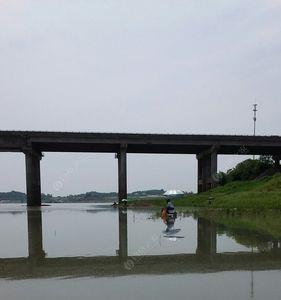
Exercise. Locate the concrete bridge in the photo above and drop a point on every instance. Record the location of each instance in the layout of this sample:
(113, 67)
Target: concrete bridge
(206, 147)
(206, 259)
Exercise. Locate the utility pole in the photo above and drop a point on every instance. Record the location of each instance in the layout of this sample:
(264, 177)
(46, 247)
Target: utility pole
(255, 120)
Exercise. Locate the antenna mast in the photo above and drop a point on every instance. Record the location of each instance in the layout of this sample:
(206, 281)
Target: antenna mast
(255, 120)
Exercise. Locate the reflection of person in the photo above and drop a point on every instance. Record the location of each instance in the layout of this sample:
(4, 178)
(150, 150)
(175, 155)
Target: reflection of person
(170, 222)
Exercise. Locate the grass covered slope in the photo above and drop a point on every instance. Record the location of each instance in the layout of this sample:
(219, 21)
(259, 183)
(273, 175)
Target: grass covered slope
(263, 193)
(252, 194)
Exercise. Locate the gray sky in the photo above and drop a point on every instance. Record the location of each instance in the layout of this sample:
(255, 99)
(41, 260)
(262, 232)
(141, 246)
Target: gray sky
(135, 66)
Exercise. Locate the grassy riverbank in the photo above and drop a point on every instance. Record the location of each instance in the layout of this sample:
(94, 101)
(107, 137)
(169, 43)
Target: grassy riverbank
(255, 194)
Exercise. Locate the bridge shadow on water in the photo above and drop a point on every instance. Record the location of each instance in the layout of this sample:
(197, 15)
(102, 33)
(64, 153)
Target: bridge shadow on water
(206, 258)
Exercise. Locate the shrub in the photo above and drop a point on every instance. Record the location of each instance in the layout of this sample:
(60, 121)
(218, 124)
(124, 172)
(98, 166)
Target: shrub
(247, 170)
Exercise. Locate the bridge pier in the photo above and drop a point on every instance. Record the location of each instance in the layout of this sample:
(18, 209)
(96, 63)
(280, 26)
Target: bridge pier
(206, 237)
(207, 169)
(35, 237)
(33, 182)
(123, 233)
(122, 172)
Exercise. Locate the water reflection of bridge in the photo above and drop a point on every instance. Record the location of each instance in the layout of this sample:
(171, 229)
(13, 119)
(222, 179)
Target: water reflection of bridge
(206, 259)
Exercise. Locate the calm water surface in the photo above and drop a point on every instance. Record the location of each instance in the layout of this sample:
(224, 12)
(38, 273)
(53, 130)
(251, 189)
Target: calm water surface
(92, 251)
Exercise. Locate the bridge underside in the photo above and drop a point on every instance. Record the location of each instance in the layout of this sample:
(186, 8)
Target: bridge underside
(205, 147)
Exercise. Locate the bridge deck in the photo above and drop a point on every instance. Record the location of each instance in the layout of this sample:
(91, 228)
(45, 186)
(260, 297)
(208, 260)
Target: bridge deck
(138, 143)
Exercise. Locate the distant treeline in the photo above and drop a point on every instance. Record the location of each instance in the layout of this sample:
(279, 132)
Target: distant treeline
(13, 197)
(18, 197)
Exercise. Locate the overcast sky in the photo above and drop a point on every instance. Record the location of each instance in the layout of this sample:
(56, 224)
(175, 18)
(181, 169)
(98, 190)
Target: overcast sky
(157, 66)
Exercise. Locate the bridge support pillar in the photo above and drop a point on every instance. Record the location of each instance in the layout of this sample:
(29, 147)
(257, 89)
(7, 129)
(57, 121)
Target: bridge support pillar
(33, 182)
(123, 233)
(206, 237)
(35, 237)
(122, 173)
(207, 169)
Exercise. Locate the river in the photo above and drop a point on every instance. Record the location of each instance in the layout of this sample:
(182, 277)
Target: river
(94, 251)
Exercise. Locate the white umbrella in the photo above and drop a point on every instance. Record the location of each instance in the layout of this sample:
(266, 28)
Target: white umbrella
(173, 193)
